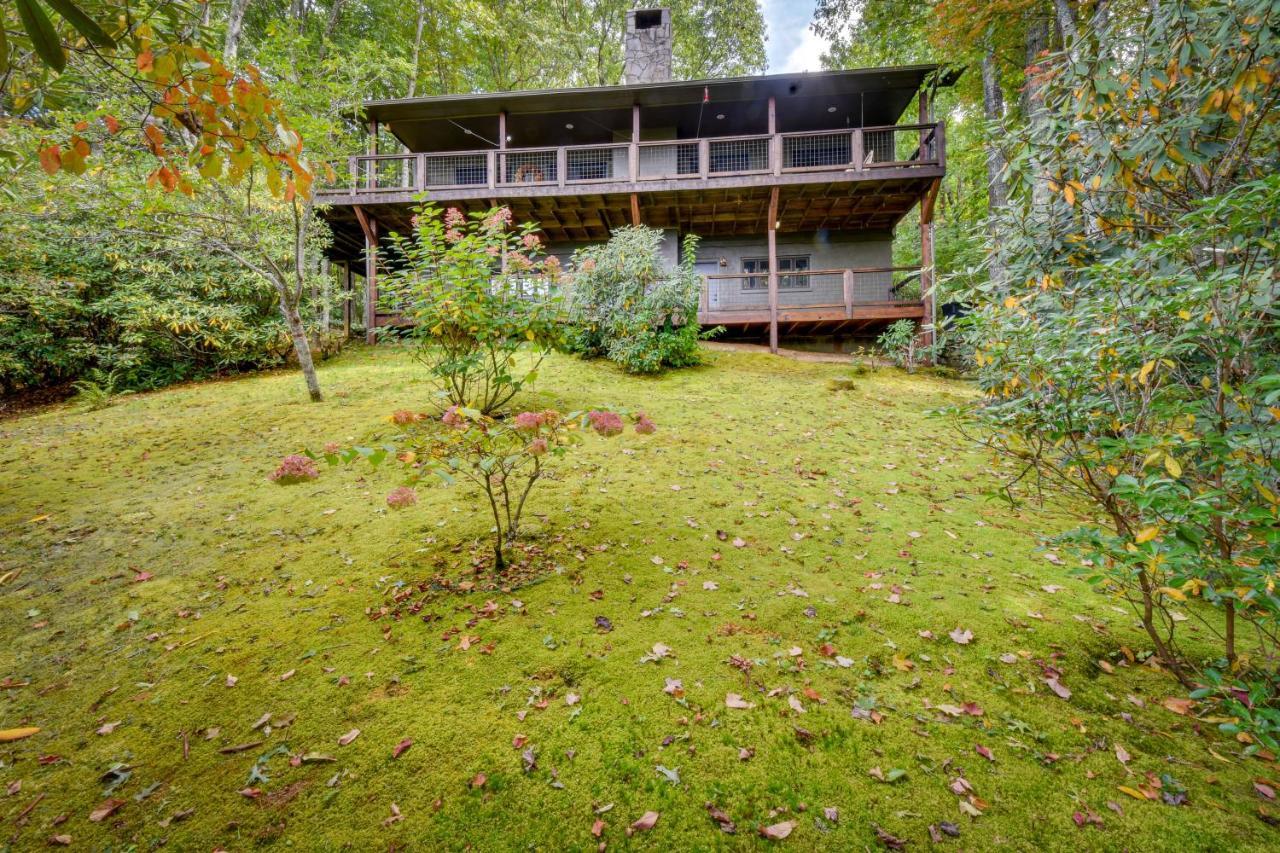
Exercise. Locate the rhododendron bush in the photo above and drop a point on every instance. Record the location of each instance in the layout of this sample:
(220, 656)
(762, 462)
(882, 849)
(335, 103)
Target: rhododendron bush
(504, 458)
(479, 296)
(626, 305)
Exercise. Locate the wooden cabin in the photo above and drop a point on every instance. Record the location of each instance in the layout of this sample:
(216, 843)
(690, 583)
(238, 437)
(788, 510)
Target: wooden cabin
(793, 182)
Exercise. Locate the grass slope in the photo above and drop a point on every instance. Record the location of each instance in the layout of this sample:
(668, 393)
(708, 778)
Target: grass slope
(840, 497)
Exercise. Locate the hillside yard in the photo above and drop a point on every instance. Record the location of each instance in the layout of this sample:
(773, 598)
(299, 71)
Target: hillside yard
(795, 606)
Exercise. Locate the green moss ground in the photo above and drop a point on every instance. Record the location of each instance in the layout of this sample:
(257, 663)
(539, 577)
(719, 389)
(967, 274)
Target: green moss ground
(828, 489)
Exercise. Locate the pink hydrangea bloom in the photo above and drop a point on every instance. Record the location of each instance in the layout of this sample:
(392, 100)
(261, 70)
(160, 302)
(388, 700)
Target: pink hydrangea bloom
(294, 468)
(518, 261)
(332, 447)
(588, 265)
(453, 235)
(531, 241)
(529, 421)
(452, 417)
(454, 218)
(538, 446)
(401, 497)
(413, 220)
(492, 251)
(644, 426)
(501, 216)
(606, 423)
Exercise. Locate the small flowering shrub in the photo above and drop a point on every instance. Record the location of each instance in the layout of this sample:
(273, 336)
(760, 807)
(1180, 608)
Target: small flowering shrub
(294, 468)
(477, 293)
(504, 458)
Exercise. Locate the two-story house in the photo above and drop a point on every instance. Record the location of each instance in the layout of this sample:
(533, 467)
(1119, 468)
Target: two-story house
(793, 182)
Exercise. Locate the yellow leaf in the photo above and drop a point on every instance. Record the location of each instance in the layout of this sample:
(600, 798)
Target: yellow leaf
(1069, 194)
(1171, 465)
(1146, 372)
(7, 735)
(1175, 594)
(1133, 792)
(1146, 535)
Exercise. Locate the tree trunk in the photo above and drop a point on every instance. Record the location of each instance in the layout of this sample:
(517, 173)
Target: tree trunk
(235, 24)
(1033, 106)
(997, 192)
(301, 346)
(417, 47)
(1067, 24)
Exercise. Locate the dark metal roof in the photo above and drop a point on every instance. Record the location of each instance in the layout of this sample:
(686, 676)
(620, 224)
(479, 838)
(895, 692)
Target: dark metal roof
(902, 80)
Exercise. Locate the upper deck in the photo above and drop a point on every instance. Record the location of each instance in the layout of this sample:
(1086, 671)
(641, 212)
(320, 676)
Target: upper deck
(771, 130)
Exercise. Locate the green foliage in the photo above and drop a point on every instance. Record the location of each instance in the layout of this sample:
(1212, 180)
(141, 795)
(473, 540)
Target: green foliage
(899, 343)
(98, 391)
(77, 295)
(1132, 358)
(624, 304)
(477, 295)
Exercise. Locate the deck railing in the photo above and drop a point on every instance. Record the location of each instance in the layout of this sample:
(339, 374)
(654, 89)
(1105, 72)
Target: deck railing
(817, 289)
(853, 149)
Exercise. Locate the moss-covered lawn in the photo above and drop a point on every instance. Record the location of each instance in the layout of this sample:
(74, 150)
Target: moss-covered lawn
(167, 598)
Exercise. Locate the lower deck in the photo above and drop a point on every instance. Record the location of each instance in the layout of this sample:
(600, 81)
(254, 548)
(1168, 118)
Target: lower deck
(787, 259)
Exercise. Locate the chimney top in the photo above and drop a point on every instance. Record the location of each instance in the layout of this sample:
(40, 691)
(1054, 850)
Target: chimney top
(647, 46)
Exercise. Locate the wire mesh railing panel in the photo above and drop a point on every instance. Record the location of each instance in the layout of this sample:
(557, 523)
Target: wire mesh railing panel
(737, 292)
(597, 163)
(888, 145)
(727, 156)
(811, 289)
(457, 170)
(874, 286)
(534, 166)
(669, 160)
(387, 172)
(817, 150)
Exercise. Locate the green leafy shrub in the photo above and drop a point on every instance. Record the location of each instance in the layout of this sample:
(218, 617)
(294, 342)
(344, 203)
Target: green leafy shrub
(625, 305)
(79, 294)
(899, 344)
(477, 294)
(1130, 355)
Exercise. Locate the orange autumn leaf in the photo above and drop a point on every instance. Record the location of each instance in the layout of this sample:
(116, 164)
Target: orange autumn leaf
(146, 61)
(51, 159)
(113, 126)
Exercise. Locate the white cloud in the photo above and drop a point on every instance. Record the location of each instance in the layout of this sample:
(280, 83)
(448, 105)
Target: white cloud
(806, 55)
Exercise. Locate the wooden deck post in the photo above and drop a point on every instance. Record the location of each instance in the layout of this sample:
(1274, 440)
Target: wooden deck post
(848, 293)
(369, 226)
(633, 150)
(635, 209)
(775, 141)
(773, 270)
(371, 179)
(926, 282)
(501, 176)
(346, 299)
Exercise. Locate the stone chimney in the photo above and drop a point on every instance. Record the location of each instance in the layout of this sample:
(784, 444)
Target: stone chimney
(647, 47)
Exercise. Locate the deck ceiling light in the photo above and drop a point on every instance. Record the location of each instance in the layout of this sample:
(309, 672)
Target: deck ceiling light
(831, 109)
(720, 116)
(568, 125)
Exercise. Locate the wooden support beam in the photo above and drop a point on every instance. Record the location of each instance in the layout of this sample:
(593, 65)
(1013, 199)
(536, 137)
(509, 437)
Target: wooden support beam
(773, 271)
(775, 140)
(635, 209)
(927, 279)
(369, 226)
(927, 203)
(346, 299)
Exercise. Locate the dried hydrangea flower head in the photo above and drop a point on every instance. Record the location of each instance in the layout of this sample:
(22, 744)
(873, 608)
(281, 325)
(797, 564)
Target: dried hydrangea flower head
(294, 468)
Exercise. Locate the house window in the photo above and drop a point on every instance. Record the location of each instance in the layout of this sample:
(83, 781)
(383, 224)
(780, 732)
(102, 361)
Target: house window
(758, 269)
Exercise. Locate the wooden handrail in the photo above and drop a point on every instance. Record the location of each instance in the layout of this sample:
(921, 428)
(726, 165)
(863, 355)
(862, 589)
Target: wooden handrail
(933, 139)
